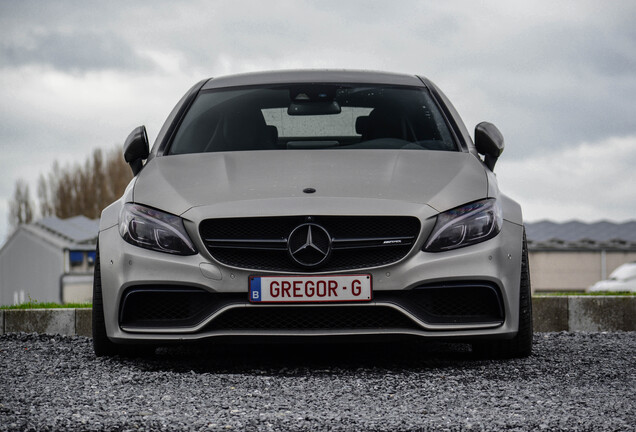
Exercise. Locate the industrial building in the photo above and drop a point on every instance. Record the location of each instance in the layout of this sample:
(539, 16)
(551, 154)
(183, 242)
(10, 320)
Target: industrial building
(571, 256)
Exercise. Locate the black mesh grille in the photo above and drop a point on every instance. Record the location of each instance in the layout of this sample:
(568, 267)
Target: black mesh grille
(170, 306)
(311, 318)
(260, 243)
(450, 304)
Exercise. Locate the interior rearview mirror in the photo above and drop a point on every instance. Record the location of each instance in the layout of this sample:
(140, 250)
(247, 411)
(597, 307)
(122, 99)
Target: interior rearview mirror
(305, 108)
(489, 142)
(136, 149)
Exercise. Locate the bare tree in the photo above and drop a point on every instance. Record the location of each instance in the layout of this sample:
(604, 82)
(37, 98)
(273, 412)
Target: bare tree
(20, 206)
(118, 174)
(44, 197)
(73, 190)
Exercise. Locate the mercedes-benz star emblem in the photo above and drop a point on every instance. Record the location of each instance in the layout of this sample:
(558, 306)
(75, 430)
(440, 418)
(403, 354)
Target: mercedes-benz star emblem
(309, 244)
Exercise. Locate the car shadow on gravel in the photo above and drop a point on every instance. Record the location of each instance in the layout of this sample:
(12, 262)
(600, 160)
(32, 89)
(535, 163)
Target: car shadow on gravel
(290, 359)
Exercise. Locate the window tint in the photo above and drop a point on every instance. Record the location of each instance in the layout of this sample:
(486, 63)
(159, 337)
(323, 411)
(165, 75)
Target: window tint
(312, 116)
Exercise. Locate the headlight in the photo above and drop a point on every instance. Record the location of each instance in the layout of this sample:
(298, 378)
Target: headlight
(152, 229)
(466, 225)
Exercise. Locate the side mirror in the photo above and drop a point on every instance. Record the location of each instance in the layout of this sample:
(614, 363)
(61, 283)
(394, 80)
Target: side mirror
(489, 142)
(136, 149)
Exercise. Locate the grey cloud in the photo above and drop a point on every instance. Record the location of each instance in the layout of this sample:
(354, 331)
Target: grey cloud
(73, 52)
(553, 85)
(544, 116)
(578, 49)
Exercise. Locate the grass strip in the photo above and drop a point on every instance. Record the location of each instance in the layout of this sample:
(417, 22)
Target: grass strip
(580, 293)
(47, 305)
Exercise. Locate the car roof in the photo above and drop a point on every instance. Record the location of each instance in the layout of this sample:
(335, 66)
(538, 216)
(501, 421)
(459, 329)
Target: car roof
(313, 75)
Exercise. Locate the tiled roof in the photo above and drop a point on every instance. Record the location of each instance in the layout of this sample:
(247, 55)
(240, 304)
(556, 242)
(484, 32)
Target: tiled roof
(78, 229)
(581, 235)
(76, 233)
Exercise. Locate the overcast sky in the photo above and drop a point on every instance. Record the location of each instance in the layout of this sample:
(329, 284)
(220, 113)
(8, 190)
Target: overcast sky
(557, 78)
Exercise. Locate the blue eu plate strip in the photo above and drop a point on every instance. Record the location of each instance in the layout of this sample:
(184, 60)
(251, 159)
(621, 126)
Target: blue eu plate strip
(255, 289)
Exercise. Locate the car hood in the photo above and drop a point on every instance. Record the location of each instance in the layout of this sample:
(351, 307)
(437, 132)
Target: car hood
(439, 179)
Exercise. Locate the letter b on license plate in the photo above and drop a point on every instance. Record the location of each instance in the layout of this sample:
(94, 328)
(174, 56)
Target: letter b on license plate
(300, 289)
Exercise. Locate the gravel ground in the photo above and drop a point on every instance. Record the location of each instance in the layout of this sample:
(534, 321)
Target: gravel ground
(574, 381)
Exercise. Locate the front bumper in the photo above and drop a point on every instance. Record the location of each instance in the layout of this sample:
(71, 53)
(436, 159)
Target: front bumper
(496, 262)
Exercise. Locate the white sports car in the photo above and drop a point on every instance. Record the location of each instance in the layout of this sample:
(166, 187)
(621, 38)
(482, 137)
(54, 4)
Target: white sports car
(623, 279)
(313, 204)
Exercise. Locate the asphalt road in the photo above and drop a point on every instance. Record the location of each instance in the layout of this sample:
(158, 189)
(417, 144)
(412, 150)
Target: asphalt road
(574, 381)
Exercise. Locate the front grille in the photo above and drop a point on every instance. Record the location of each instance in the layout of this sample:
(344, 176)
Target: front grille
(312, 318)
(261, 243)
(463, 303)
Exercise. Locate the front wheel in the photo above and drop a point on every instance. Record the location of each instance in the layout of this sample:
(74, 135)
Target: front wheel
(521, 344)
(103, 346)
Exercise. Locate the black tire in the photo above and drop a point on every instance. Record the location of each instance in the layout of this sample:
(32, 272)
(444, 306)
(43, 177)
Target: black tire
(521, 344)
(102, 345)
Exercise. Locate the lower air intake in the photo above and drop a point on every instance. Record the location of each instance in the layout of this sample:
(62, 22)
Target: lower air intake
(170, 306)
(465, 303)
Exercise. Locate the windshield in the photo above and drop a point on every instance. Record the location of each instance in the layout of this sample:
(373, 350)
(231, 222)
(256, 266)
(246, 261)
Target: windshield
(312, 116)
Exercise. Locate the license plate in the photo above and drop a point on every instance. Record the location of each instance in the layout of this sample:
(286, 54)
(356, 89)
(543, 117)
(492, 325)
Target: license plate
(301, 289)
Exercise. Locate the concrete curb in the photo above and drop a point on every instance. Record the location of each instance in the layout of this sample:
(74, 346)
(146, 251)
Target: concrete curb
(51, 321)
(551, 314)
(584, 313)
(601, 313)
(84, 322)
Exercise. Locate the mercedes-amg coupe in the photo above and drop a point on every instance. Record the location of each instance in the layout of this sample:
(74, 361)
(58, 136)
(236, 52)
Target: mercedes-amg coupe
(313, 205)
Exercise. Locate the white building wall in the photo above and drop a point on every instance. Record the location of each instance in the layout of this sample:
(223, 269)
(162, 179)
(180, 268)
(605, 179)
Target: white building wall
(30, 266)
(571, 270)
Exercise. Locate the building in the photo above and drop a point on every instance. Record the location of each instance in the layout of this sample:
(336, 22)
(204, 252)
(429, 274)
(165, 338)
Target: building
(50, 260)
(572, 256)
